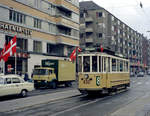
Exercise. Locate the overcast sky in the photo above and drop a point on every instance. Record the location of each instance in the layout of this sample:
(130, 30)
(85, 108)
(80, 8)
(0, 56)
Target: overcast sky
(130, 12)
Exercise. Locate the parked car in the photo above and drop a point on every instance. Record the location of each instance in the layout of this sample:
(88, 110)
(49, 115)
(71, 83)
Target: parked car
(14, 85)
(140, 74)
(148, 72)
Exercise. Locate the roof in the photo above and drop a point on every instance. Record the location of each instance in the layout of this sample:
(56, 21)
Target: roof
(89, 5)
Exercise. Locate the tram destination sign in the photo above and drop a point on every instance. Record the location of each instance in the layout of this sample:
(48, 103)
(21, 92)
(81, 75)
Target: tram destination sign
(15, 28)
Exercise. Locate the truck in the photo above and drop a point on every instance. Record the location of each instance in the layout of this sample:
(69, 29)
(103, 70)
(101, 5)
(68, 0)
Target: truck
(54, 72)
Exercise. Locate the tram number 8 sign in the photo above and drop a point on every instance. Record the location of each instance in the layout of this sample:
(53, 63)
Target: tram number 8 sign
(98, 80)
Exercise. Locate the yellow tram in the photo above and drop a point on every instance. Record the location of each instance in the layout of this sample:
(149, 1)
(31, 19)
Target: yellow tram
(102, 72)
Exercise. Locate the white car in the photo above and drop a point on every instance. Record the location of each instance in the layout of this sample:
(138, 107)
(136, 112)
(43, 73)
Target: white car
(14, 84)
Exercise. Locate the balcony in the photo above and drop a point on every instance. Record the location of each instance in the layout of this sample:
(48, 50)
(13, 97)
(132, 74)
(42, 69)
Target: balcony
(89, 40)
(88, 19)
(66, 5)
(89, 30)
(65, 22)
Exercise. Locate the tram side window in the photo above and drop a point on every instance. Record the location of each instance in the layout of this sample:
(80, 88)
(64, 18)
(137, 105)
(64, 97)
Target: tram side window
(104, 64)
(127, 66)
(80, 64)
(113, 65)
(100, 64)
(108, 64)
(118, 65)
(121, 66)
(86, 64)
(94, 63)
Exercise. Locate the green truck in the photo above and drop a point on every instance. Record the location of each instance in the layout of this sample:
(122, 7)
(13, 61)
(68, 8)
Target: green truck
(54, 72)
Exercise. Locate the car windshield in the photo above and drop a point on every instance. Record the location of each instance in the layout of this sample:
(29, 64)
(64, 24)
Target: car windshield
(1, 80)
(40, 72)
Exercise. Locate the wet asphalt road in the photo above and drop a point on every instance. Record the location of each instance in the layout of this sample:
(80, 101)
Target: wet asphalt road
(90, 106)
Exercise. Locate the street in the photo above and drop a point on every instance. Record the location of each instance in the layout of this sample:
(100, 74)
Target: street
(133, 102)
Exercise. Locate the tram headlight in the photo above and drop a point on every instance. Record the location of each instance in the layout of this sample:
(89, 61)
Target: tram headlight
(86, 76)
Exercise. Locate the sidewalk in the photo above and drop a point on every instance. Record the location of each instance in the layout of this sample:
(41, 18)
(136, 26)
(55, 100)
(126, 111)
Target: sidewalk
(35, 100)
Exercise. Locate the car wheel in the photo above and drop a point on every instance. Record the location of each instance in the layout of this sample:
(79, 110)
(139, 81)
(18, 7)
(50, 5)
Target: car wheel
(54, 85)
(24, 93)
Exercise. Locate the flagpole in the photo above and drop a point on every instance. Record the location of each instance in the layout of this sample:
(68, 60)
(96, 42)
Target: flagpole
(15, 62)
(3, 66)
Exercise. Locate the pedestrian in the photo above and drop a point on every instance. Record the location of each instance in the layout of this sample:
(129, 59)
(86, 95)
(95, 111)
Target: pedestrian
(26, 77)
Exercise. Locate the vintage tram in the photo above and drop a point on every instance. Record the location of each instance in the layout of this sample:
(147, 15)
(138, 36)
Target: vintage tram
(102, 72)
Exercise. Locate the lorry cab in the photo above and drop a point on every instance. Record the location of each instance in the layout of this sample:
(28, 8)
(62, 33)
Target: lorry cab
(44, 76)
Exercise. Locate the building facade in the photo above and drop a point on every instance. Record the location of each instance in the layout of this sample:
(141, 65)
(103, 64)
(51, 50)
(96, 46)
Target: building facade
(100, 27)
(44, 29)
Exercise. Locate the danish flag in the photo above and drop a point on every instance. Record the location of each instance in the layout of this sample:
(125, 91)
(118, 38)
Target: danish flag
(8, 49)
(73, 54)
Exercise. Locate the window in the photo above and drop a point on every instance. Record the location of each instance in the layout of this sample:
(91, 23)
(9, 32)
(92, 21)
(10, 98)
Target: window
(94, 63)
(37, 46)
(8, 81)
(55, 49)
(17, 17)
(52, 28)
(15, 80)
(118, 65)
(108, 65)
(127, 66)
(100, 35)
(113, 65)
(121, 66)
(99, 14)
(80, 64)
(100, 64)
(64, 30)
(104, 58)
(37, 23)
(22, 44)
(86, 63)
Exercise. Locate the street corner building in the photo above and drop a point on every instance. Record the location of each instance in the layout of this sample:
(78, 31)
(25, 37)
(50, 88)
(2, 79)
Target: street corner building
(44, 29)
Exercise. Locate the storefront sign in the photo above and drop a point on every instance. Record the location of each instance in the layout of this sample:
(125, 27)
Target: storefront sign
(14, 28)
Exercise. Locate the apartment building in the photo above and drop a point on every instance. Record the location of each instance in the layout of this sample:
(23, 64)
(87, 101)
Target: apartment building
(44, 29)
(100, 27)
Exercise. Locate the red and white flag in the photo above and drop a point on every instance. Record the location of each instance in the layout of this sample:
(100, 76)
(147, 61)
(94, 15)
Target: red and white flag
(10, 49)
(73, 54)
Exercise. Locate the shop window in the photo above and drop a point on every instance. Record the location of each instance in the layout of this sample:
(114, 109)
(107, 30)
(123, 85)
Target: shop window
(37, 23)
(37, 46)
(17, 17)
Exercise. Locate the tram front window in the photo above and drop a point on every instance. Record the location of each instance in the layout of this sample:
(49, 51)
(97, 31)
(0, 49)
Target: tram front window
(94, 63)
(86, 64)
(80, 64)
